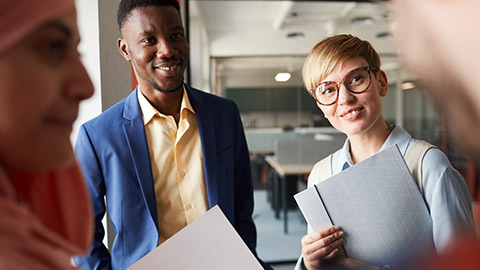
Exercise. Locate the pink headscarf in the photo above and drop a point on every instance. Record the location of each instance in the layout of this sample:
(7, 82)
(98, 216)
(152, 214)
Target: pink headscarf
(18, 18)
(46, 217)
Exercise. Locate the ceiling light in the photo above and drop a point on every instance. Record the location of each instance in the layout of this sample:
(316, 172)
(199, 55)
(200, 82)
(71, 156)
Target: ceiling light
(295, 35)
(383, 35)
(282, 76)
(362, 20)
(407, 85)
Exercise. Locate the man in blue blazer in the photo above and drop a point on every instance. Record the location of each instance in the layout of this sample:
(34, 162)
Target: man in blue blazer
(118, 160)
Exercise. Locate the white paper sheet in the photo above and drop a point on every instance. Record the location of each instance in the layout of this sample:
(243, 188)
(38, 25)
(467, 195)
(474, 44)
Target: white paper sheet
(210, 242)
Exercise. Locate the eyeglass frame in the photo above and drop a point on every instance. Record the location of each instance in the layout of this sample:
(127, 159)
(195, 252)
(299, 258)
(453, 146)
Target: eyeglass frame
(369, 69)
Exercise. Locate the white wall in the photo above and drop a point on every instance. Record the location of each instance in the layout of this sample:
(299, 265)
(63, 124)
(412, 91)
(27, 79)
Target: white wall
(116, 76)
(110, 73)
(199, 57)
(87, 17)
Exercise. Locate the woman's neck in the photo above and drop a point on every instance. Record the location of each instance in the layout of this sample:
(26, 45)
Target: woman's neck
(368, 143)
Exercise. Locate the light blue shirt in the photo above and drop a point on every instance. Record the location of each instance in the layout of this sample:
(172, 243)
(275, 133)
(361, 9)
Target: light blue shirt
(444, 189)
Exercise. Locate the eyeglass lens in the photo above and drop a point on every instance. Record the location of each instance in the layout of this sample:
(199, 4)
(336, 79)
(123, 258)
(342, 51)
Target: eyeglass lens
(356, 81)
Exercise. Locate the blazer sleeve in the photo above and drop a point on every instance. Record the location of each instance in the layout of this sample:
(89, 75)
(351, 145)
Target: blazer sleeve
(244, 224)
(98, 257)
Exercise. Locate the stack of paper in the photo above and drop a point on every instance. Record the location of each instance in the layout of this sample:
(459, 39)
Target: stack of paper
(378, 206)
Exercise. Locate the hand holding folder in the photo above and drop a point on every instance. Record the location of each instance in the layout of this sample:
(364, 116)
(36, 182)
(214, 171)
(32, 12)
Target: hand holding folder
(378, 206)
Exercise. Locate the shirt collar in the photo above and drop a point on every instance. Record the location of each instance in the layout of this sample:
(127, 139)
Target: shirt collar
(344, 155)
(186, 105)
(148, 111)
(398, 136)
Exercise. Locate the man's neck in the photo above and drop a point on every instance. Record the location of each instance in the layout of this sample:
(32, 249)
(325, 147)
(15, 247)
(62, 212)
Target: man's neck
(165, 103)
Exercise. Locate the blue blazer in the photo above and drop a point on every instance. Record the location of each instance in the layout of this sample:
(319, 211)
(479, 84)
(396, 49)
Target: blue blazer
(113, 153)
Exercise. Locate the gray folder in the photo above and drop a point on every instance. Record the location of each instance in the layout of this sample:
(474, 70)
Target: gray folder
(379, 207)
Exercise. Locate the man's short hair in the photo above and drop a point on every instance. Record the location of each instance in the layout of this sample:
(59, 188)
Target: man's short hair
(126, 6)
(333, 51)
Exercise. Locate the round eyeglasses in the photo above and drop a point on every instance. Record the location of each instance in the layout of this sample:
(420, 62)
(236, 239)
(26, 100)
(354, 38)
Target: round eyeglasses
(356, 81)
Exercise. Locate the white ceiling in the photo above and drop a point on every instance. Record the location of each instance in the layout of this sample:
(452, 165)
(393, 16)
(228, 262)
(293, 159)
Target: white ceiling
(249, 38)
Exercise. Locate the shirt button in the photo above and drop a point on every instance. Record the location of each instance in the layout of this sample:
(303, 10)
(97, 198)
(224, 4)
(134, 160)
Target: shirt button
(188, 206)
(182, 175)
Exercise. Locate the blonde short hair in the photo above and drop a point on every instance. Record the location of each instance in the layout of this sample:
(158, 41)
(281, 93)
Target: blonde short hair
(333, 51)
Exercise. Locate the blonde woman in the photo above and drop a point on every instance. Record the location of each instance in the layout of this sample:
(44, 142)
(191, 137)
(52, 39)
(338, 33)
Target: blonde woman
(344, 76)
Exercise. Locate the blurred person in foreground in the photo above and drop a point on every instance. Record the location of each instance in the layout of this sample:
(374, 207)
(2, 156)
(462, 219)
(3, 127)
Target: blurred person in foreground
(45, 211)
(345, 78)
(438, 43)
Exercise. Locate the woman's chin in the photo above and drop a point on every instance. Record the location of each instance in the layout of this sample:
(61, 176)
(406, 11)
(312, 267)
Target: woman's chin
(46, 160)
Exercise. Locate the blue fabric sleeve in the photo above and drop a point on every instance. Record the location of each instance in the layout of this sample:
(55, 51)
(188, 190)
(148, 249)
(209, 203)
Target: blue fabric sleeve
(447, 198)
(99, 257)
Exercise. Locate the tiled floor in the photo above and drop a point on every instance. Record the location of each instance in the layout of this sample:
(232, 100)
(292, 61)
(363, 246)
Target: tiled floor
(273, 245)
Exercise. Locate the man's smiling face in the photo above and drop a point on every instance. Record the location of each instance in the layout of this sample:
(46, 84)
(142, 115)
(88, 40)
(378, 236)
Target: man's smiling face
(154, 41)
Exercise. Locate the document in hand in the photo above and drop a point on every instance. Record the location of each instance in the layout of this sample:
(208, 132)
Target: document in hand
(210, 242)
(379, 207)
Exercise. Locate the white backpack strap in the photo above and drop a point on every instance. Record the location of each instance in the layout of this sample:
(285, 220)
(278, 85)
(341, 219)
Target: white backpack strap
(325, 166)
(321, 171)
(414, 159)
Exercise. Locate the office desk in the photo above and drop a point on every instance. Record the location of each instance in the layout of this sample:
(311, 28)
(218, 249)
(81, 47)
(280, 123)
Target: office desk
(286, 172)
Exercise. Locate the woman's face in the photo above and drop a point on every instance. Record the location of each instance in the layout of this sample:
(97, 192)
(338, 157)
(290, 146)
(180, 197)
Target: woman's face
(355, 114)
(42, 84)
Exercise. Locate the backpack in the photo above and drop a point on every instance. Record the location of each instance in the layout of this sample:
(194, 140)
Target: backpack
(413, 158)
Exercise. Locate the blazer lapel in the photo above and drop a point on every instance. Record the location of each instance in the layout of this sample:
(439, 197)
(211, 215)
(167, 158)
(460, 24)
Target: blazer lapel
(137, 144)
(206, 127)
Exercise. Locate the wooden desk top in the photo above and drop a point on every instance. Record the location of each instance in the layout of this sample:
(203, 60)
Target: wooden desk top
(289, 169)
(261, 152)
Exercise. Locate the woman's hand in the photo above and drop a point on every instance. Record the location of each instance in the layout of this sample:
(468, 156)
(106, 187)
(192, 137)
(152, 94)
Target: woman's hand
(349, 263)
(320, 245)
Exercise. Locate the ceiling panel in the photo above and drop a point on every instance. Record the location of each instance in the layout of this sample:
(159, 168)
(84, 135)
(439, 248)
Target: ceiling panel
(253, 35)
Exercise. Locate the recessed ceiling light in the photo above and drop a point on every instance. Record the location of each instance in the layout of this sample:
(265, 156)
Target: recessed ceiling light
(383, 35)
(408, 85)
(282, 76)
(295, 35)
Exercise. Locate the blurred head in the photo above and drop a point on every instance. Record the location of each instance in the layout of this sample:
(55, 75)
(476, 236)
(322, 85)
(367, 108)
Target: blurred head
(438, 43)
(332, 52)
(43, 82)
(153, 40)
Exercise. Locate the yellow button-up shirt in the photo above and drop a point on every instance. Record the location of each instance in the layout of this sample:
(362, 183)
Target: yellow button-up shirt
(177, 166)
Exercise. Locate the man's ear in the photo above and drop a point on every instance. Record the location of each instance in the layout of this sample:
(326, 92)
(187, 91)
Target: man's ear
(382, 82)
(123, 49)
